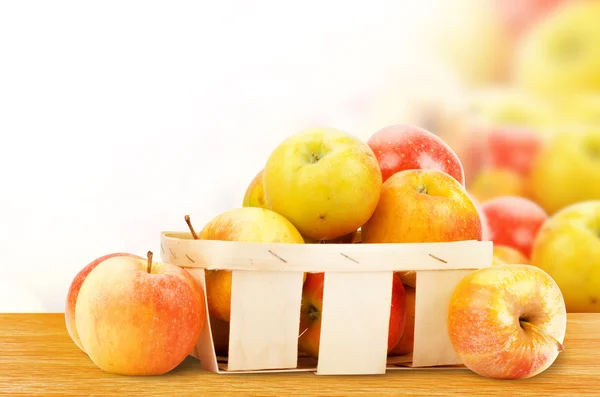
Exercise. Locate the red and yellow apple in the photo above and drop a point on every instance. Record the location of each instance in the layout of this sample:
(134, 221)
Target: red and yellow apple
(423, 206)
(245, 224)
(567, 170)
(73, 293)
(513, 221)
(505, 255)
(568, 248)
(513, 148)
(507, 321)
(138, 317)
(255, 192)
(404, 147)
(324, 181)
(311, 311)
(491, 183)
(406, 343)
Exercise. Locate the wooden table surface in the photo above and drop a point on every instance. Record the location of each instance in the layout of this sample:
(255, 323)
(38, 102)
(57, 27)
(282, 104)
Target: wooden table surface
(37, 357)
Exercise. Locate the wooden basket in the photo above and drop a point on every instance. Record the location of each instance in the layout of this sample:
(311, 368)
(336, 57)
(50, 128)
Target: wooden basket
(266, 294)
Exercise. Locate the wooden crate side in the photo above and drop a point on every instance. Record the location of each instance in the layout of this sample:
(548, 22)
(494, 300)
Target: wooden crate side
(355, 323)
(265, 320)
(432, 345)
(205, 348)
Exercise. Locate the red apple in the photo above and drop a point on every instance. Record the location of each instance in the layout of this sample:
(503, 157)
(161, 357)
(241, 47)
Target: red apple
(418, 206)
(138, 317)
(406, 343)
(519, 15)
(514, 222)
(507, 321)
(404, 147)
(513, 148)
(74, 292)
(312, 303)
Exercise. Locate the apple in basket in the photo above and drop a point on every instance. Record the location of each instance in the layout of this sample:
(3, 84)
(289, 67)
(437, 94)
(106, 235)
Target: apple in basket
(139, 317)
(507, 321)
(311, 310)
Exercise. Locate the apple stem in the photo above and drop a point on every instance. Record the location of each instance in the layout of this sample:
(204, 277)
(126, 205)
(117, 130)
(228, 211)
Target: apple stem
(422, 189)
(150, 261)
(539, 331)
(189, 223)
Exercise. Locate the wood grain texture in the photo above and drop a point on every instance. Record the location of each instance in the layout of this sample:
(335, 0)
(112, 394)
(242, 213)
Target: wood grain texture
(37, 357)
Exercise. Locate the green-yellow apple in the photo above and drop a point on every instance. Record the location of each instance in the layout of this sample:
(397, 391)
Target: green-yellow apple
(325, 181)
(505, 255)
(255, 192)
(567, 170)
(423, 206)
(139, 317)
(568, 248)
(73, 292)
(507, 321)
(491, 183)
(245, 224)
(311, 311)
(561, 53)
(406, 343)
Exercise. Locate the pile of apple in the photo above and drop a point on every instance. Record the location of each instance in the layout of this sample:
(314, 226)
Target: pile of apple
(324, 186)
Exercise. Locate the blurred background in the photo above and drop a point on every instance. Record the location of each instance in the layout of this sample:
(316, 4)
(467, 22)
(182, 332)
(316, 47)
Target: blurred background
(118, 118)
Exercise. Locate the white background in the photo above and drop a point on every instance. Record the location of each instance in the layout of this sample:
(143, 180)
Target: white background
(118, 118)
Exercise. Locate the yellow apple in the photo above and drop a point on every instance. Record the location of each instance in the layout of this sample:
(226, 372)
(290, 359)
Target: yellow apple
(561, 53)
(567, 169)
(323, 180)
(255, 192)
(568, 248)
(505, 255)
(490, 183)
(246, 224)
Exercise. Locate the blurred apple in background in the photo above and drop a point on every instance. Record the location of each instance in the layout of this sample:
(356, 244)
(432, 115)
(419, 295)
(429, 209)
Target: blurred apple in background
(505, 255)
(404, 147)
(491, 183)
(423, 206)
(568, 248)
(514, 222)
(508, 321)
(567, 170)
(513, 148)
(561, 53)
(520, 15)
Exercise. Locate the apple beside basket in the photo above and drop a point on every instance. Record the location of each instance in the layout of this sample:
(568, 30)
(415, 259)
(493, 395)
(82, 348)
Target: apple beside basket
(267, 290)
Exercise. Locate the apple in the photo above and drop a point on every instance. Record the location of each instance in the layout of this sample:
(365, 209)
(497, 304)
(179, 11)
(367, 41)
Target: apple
(491, 183)
(568, 248)
(520, 15)
(507, 321)
(423, 206)
(139, 317)
(406, 343)
(311, 310)
(567, 170)
(513, 221)
(74, 289)
(560, 55)
(255, 192)
(324, 181)
(513, 148)
(505, 255)
(246, 224)
(404, 147)
(345, 239)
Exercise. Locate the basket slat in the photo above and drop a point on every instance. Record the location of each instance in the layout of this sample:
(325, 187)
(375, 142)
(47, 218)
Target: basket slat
(355, 323)
(431, 343)
(265, 320)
